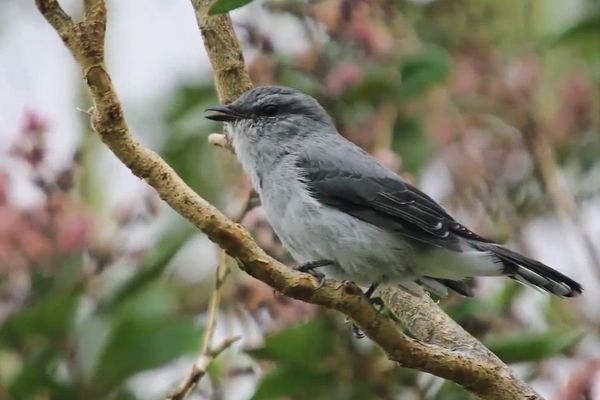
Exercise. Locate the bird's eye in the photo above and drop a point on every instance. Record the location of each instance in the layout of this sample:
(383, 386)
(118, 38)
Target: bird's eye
(270, 110)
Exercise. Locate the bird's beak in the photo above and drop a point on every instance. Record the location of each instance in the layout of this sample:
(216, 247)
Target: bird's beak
(223, 113)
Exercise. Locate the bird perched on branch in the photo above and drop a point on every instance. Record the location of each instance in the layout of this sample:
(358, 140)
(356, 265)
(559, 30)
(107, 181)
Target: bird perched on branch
(336, 209)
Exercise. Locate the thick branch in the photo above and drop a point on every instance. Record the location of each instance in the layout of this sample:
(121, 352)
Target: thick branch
(226, 58)
(482, 376)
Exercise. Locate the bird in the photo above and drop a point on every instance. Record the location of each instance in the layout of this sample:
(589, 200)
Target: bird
(336, 209)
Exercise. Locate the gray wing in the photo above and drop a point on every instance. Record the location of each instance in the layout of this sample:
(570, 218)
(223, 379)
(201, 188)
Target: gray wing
(358, 185)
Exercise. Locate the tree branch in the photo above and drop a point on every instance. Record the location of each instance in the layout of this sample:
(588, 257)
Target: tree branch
(426, 321)
(482, 376)
(55, 15)
(224, 53)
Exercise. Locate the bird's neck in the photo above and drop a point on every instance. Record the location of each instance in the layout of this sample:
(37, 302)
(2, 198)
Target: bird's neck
(259, 161)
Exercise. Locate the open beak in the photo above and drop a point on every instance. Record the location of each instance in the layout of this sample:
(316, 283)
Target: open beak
(223, 114)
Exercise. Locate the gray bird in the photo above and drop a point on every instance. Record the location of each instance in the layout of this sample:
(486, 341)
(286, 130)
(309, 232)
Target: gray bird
(335, 207)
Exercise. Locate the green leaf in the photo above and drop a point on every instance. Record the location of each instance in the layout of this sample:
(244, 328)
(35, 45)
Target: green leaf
(420, 72)
(66, 277)
(411, 144)
(156, 300)
(587, 26)
(47, 321)
(533, 346)
(150, 269)
(195, 159)
(92, 335)
(375, 87)
(223, 6)
(137, 345)
(303, 345)
(37, 380)
(467, 309)
(290, 75)
(186, 149)
(300, 383)
(190, 99)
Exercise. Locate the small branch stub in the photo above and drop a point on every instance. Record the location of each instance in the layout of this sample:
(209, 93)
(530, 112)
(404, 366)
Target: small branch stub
(218, 139)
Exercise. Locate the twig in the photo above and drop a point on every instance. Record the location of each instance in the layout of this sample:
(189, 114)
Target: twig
(482, 376)
(208, 353)
(199, 369)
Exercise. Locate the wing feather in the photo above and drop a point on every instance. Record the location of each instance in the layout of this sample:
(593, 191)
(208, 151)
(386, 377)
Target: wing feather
(377, 196)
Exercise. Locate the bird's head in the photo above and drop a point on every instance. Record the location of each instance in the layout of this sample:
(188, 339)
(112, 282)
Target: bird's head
(276, 114)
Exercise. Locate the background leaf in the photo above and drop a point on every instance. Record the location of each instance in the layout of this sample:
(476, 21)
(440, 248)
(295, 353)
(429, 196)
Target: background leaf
(419, 72)
(303, 345)
(137, 345)
(302, 383)
(587, 26)
(533, 346)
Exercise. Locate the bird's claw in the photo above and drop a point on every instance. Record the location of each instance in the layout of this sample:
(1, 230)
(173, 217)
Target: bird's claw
(355, 329)
(377, 304)
(320, 278)
(357, 332)
(310, 268)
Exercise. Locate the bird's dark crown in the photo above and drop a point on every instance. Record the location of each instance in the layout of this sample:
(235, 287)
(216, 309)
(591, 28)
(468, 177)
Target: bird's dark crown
(268, 102)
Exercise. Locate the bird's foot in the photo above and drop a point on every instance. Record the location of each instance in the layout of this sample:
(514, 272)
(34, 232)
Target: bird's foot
(358, 334)
(310, 268)
(377, 303)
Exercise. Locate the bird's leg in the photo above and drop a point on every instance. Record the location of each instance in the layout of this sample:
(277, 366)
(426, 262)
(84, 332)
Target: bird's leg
(310, 268)
(377, 303)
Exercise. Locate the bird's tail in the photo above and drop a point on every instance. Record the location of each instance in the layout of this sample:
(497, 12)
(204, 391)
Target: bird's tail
(531, 272)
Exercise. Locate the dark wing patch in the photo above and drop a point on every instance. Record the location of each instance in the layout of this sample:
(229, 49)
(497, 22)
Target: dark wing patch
(460, 287)
(385, 201)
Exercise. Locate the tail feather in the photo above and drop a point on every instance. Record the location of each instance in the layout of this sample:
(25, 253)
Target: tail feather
(530, 271)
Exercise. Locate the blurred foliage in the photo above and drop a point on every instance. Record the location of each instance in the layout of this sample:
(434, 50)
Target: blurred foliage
(186, 149)
(317, 360)
(587, 26)
(419, 84)
(422, 71)
(409, 142)
(533, 346)
(72, 344)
